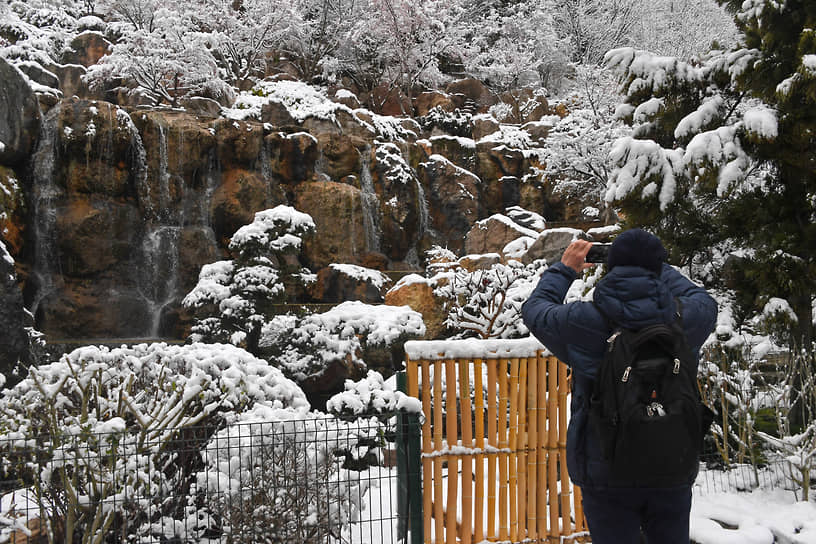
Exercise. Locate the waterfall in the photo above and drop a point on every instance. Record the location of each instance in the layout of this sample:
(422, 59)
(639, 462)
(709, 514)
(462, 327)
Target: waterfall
(46, 269)
(370, 203)
(424, 227)
(158, 282)
(159, 258)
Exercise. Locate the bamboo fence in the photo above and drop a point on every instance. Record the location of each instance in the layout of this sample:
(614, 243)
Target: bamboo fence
(494, 443)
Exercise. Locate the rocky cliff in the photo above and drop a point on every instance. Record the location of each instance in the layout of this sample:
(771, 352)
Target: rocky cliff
(114, 208)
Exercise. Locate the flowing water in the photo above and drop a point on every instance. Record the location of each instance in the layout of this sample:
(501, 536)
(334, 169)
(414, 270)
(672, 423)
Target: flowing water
(370, 203)
(46, 270)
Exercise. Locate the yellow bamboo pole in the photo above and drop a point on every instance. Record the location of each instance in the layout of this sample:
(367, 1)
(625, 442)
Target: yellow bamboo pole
(427, 448)
(504, 522)
(512, 441)
(563, 390)
(453, 460)
(521, 447)
(541, 464)
(438, 499)
(491, 439)
(580, 520)
(478, 511)
(552, 445)
(532, 449)
(467, 461)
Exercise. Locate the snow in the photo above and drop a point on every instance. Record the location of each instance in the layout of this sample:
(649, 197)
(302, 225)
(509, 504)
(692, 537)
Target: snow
(473, 348)
(359, 273)
(692, 123)
(759, 517)
(264, 230)
(762, 121)
(510, 135)
(466, 143)
(383, 324)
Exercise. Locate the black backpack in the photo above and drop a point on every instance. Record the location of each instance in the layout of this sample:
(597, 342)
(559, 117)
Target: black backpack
(646, 409)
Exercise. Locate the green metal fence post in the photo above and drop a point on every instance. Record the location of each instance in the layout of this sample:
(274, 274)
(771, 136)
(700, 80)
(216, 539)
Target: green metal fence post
(409, 474)
(402, 467)
(415, 479)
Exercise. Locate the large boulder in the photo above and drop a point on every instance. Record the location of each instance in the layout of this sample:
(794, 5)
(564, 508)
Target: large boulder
(292, 157)
(491, 235)
(239, 196)
(342, 282)
(337, 210)
(19, 116)
(551, 243)
(417, 292)
(453, 199)
(397, 189)
(474, 91)
(86, 49)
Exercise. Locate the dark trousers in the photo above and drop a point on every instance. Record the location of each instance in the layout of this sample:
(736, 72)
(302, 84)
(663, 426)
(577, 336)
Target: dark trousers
(616, 516)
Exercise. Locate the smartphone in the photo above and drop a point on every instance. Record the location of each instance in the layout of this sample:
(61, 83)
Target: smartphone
(597, 253)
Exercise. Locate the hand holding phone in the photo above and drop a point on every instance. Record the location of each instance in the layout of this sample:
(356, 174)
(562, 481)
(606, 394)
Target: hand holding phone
(597, 253)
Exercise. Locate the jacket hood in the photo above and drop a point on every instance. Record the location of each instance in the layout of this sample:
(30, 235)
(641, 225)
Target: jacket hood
(635, 297)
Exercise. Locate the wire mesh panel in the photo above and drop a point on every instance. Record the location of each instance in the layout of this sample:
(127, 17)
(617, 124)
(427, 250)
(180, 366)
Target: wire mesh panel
(493, 442)
(318, 480)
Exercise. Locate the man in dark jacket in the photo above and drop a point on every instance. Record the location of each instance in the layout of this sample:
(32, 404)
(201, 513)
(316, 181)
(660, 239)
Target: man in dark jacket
(639, 289)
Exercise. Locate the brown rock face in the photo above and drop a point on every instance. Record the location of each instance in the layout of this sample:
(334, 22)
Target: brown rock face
(337, 210)
(473, 90)
(95, 235)
(417, 293)
(12, 225)
(19, 116)
(334, 284)
(339, 155)
(453, 197)
(292, 157)
(492, 234)
(390, 101)
(87, 49)
(427, 101)
(235, 201)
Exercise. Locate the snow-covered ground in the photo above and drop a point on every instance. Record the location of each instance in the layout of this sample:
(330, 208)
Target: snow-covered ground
(719, 517)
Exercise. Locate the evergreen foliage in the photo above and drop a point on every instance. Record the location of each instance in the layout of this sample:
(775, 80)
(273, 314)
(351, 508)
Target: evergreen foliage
(722, 155)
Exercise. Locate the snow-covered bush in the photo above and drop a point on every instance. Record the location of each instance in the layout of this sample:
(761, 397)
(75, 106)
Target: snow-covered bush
(278, 475)
(343, 335)
(371, 395)
(487, 302)
(101, 431)
(233, 299)
(455, 123)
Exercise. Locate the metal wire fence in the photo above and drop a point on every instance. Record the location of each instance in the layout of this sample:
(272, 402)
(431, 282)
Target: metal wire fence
(311, 481)
(319, 480)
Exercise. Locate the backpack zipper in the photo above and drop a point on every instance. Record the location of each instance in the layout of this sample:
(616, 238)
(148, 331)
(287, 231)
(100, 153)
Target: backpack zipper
(611, 339)
(676, 366)
(626, 372)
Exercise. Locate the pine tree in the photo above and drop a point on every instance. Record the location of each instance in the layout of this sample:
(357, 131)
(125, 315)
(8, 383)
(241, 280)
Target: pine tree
(723, 155)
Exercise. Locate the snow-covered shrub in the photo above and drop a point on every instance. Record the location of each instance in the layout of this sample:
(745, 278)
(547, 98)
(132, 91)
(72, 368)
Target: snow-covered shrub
(343, 335)
(101, 431)
(455, 123)
(371, 396)
(487, 302)
(277, 475)
(233, 299)
(726, 377)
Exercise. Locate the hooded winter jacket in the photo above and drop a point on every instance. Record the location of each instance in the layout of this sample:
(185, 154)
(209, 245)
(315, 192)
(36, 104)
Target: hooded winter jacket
(576, 333)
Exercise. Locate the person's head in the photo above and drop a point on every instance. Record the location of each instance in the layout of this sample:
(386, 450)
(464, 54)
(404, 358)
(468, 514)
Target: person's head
(636, 247)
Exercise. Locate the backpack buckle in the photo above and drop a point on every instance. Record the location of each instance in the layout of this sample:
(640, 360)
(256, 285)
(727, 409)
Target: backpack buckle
(626, 372)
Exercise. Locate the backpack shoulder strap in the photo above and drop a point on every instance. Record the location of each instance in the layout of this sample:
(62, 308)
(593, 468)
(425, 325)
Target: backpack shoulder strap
(609, 323)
